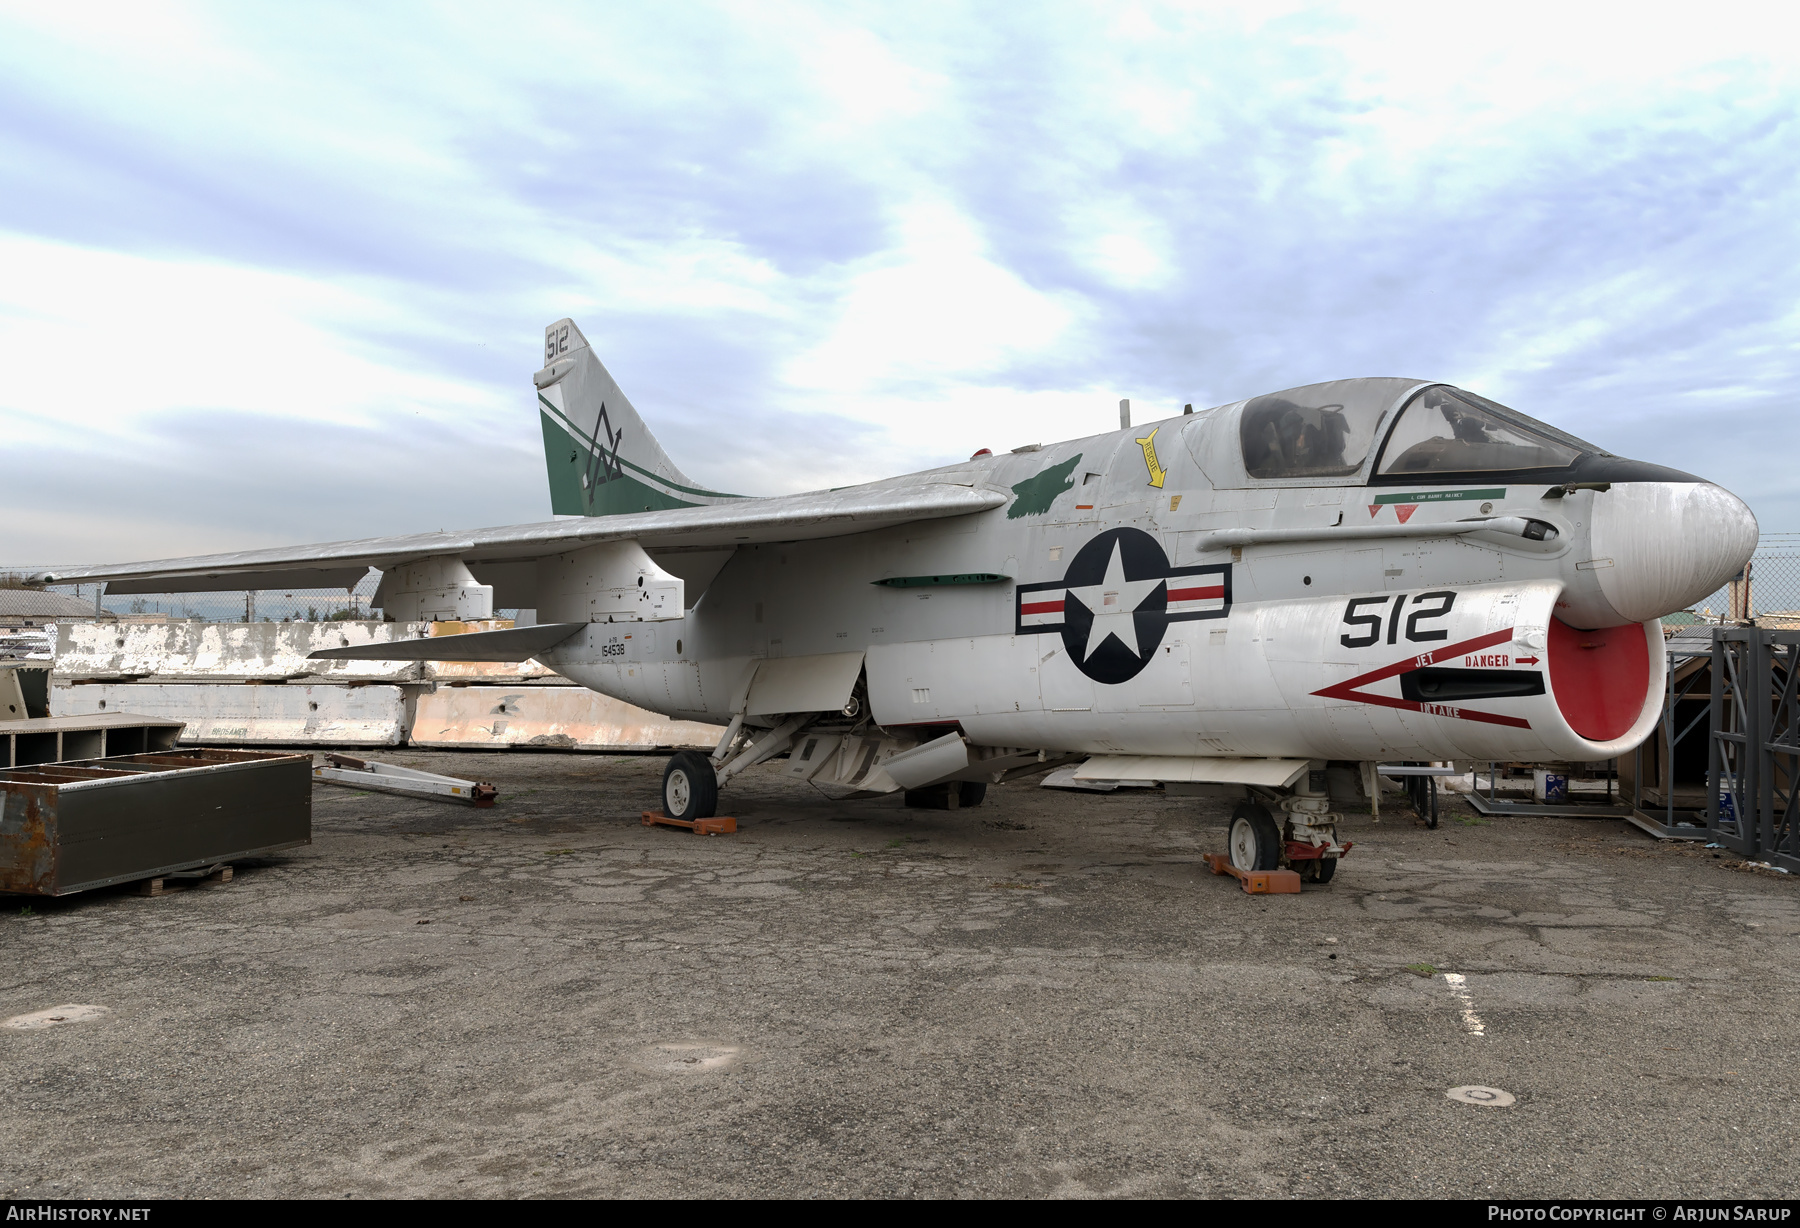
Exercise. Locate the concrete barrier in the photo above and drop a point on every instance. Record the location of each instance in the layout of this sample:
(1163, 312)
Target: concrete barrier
(546, 718)
(265, 652)
(285, 714)
(227, 652)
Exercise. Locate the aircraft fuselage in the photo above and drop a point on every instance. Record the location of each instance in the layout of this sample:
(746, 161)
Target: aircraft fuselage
(1105, 608)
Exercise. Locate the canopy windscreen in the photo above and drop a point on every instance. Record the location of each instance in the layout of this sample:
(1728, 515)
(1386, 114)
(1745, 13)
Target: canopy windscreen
(1446, 430)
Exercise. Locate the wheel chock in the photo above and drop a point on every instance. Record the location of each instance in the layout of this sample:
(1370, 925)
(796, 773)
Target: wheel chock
(1256, 882)
(706, 827)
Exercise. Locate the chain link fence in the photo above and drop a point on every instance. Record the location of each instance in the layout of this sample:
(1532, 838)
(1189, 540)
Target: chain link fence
(1766, 593)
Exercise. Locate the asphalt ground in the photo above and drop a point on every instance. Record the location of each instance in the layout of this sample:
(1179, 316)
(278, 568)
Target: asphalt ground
(1048, 995)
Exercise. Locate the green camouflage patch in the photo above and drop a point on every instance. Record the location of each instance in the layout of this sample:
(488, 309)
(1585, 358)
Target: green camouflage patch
(1036, 494)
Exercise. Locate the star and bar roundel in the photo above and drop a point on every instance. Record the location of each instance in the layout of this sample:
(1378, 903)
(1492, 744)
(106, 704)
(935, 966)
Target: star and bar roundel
(1117, 599)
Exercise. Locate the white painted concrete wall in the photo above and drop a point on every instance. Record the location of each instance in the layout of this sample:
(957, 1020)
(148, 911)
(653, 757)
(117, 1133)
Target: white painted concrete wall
(247, 684)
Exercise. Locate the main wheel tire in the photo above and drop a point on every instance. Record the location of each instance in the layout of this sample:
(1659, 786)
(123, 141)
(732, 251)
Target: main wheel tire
(1253, 840)
(690, 787)
(970, 793)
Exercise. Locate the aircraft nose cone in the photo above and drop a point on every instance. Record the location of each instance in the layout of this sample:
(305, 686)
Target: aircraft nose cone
(1671, 544)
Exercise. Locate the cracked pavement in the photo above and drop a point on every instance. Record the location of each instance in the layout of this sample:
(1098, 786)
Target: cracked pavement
(1048, 995)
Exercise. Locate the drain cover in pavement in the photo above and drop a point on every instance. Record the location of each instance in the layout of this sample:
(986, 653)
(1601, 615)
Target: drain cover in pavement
(1481, 1095)
(56, 1016)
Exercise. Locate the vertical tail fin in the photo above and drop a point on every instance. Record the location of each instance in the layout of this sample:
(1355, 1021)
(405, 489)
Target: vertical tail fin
(602, 459)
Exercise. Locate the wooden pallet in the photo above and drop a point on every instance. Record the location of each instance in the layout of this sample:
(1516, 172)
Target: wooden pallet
(208, 874)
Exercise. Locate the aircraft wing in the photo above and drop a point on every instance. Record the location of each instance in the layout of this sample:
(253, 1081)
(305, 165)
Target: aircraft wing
(832, 513)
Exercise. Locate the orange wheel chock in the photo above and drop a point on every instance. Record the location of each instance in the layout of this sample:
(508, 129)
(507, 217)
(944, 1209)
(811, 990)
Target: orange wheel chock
(1256, 882)
(700, 827)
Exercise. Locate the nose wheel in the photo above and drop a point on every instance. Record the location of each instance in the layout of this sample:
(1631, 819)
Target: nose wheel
(1254, 840)
(690, 788)
(1275, 852)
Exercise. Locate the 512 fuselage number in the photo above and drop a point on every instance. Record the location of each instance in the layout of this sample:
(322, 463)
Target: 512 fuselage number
(1369, 613)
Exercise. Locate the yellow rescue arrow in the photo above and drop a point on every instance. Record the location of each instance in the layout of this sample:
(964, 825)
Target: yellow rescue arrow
(1157, 473)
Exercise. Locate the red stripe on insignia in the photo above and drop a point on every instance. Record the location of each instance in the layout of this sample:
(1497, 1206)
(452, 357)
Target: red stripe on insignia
(1215, 593)
(1041, 607)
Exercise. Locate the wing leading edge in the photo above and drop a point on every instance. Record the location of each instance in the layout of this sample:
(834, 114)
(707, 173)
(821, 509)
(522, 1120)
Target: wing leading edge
(834, 513)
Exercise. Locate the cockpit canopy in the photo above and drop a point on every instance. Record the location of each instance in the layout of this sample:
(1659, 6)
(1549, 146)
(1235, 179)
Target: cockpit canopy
(1329, 430)
(1447, 430)
(1292, 435)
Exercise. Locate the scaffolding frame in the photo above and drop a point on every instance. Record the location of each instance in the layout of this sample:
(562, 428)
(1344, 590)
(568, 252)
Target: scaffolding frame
(1753, 750)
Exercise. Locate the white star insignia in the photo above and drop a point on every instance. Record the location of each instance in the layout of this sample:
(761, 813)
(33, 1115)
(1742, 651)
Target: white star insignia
(1113, 601)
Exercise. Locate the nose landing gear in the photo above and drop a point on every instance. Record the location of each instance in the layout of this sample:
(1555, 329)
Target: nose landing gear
(1304, 840)
(1311, 847)
(1253, 838)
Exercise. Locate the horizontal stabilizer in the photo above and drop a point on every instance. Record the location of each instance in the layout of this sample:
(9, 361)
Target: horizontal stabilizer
(510, 644)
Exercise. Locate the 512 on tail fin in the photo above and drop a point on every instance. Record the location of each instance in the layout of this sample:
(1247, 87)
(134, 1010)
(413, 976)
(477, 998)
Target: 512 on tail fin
(600, 457)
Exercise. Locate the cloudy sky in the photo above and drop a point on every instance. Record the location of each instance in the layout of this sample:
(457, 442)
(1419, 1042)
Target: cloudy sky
(279, 273)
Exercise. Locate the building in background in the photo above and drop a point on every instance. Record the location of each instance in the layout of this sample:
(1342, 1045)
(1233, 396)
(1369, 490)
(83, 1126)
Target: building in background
(22, 608)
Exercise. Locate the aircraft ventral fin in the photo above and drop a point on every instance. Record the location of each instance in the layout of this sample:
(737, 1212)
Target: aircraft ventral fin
(831, 513)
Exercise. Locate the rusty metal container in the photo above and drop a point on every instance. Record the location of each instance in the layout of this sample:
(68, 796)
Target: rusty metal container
(68, 827)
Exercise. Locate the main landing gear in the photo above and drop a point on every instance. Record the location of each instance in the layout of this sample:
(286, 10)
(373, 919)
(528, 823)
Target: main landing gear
(690, 787)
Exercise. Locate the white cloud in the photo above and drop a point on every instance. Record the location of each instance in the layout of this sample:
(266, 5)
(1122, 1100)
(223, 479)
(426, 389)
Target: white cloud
(864, 80)
(939, 227)
(95, 340)
(933, 309)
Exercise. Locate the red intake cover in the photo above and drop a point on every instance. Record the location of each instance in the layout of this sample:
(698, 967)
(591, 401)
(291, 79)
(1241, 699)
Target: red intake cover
(1599, 677)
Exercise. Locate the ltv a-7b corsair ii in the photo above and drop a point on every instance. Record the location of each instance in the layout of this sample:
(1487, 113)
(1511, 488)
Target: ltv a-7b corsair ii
(1358, 571)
